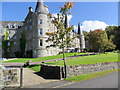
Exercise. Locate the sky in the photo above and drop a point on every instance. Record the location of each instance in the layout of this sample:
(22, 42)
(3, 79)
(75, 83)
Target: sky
(91, 15)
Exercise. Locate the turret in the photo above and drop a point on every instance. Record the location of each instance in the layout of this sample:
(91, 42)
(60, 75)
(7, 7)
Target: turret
(66, 21)
(41, 27)
(30, 9)
(40, 7)
(81, 38)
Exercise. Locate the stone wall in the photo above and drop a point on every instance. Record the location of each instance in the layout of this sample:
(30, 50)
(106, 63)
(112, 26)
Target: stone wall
(57, 72)
(9, 76)
(51, 71)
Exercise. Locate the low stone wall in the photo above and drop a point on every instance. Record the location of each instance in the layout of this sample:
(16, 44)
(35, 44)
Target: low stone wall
(9, 76)
(90, 68)
(57, 72)
(51, 71)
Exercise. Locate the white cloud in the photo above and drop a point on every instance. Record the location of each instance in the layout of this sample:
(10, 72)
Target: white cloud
(92, 25)
(69, 17)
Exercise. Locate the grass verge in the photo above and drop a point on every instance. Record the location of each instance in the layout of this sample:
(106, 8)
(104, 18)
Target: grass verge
(92, 59)
(23, 60)
(90, 76)
(35, 67)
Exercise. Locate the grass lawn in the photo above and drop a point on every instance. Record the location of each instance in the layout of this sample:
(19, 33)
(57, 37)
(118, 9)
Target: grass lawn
(99, 58)
(89, 76)
(34, 67)
(23, 60)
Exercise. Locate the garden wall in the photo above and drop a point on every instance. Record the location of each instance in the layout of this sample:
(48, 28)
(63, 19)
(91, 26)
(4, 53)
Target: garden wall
(57, 72)
(9, 76)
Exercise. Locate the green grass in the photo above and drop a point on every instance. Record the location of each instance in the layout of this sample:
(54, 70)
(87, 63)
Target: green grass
(23, 60)
(34, 67)
(89, 76)
(99, 58)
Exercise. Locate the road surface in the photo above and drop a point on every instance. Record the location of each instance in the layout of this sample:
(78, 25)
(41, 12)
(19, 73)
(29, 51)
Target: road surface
(107, 81)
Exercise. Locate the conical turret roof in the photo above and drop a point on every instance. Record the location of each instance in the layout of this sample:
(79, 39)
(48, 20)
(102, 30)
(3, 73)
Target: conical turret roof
(79, 30)
(40, 7)
(66, 21)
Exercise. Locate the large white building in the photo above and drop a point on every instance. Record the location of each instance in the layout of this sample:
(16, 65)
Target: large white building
(36, 24)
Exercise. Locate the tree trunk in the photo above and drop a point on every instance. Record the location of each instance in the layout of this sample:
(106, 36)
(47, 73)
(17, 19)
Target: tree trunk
(65, 69)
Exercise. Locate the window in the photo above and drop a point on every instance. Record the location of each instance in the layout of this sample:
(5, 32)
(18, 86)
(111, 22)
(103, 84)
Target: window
(15, 43)
(0, 37)
(41, 42)
(33, 23)
(30, 20)
(25, 28)
(14, 37)
(0, 31)
(9, 37)
(30, 27)
(27, 21)
(41, 31)
(9, 31)
(40, 21)
(8, 43)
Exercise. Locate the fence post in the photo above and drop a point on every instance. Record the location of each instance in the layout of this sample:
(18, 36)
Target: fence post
(21, 77)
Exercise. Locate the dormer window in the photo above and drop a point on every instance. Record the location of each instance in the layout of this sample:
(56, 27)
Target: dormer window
(15, 25)
(7, 27)
(41, 21)
(41, 31)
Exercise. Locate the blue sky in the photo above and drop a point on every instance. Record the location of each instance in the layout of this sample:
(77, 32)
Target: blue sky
(88, 13)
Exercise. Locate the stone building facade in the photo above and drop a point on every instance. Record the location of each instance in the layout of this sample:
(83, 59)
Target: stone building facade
(36, 24)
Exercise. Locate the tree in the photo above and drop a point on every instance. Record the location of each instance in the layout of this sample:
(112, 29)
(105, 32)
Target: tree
(61, 38)
(6, 43)
(113, 35)
(23, 43)
(117, 38)
(99, 41)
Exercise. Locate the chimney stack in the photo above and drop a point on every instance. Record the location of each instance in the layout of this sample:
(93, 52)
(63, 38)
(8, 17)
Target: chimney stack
(30, 9)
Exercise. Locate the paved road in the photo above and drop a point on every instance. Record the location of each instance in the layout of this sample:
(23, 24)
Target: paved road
(107, 81)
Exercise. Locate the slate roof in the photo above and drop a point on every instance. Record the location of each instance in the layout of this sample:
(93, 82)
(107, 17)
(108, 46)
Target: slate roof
(6, 23)
(40, 7)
